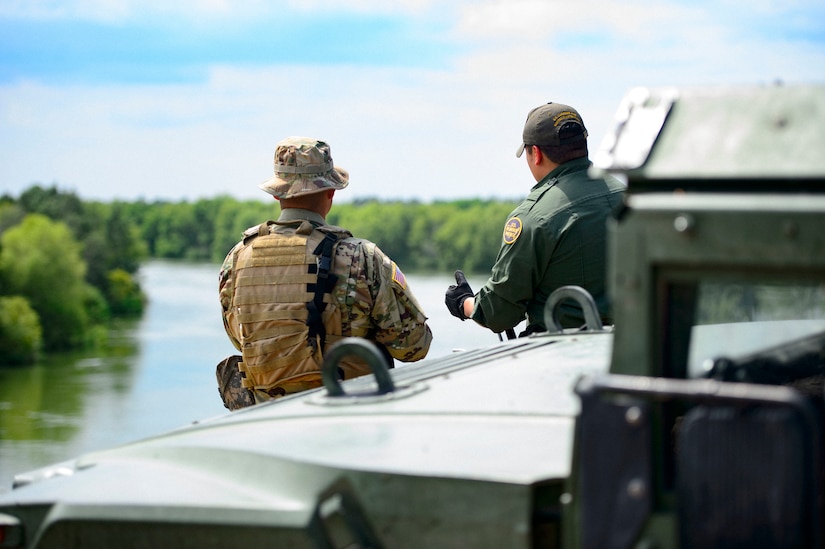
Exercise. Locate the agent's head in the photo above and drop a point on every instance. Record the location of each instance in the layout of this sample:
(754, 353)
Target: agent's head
(558, 130)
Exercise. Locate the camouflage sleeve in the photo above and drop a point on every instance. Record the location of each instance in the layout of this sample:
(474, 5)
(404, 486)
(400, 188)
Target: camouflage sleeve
(225, 291)
(399, 322)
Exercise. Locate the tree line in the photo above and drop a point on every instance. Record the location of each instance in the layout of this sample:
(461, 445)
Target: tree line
(419, 236)
(68, 266)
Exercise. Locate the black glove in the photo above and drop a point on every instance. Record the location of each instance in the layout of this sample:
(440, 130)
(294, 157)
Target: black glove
(456, 294)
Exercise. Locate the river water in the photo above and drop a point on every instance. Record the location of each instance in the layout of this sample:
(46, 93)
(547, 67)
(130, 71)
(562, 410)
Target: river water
(157, 373)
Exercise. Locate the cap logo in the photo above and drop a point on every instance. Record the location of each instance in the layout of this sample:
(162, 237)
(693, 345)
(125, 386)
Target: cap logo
(565, 116)
(512, 230)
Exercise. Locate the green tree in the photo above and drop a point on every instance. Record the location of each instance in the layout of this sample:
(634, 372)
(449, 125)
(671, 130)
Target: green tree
(232, 219)
(125, 296)
(114, 245)
(108, 236)
(40, 260)
(205, 211)
(470, 237)
(64, 206)
(385, 223)
(21, 336)
(175, 229)
(425, 253)
(439, 236)
(10, 214)
(125, 248)
(142, 215)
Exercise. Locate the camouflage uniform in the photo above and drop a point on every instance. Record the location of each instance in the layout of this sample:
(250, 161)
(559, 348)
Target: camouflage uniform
(370, 298)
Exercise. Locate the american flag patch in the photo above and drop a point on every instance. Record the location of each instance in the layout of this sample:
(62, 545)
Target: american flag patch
(398, 277)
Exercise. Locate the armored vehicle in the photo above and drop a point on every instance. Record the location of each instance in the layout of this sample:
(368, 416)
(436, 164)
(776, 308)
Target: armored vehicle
(707, 432)
(695, 422)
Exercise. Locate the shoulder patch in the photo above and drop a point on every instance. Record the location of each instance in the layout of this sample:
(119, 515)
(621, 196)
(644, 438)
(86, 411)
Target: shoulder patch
(398, 277)
(512, 230)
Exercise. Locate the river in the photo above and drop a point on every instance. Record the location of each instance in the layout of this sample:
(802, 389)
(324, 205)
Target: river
(157, 373)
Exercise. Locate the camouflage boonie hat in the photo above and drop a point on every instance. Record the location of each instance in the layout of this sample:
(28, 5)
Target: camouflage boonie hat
(303, 166)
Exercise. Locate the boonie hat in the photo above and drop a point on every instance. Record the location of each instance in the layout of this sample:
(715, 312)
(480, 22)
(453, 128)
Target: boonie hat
(552, 125)
(303, 165)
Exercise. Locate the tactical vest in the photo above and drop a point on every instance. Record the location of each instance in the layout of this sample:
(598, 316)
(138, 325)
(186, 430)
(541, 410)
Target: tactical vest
(283, 303)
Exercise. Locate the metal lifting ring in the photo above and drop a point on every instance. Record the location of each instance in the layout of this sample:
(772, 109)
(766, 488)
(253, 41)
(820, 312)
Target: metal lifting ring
(363, 349)
(582, 297)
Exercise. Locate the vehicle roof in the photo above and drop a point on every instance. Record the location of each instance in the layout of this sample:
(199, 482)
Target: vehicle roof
(450, 417)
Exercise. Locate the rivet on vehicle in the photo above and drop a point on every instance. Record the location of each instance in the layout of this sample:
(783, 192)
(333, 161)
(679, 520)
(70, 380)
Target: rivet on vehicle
(633, 415)
(636, 488)
(684, 223)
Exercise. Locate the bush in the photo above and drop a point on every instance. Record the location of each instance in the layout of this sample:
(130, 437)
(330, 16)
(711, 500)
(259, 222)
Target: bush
(40, 260)
(124, 294)
(21, 336)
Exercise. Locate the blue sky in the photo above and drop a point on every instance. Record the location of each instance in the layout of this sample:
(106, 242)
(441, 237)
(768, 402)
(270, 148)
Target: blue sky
(126, 99)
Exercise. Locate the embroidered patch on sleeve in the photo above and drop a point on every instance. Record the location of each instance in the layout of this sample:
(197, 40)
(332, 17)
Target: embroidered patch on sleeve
(512, 230)
(398, 277)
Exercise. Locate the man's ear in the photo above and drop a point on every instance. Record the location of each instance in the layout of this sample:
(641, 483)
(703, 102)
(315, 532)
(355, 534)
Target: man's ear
(537, 156)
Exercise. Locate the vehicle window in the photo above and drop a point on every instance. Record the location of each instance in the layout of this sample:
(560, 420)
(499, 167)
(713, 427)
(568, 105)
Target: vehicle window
(734, 319)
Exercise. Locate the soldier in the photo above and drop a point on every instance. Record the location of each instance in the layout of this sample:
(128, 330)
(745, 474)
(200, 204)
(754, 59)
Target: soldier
(293, 287)
(555, 237)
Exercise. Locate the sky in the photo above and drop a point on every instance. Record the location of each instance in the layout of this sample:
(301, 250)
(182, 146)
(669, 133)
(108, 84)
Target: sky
(418, 99)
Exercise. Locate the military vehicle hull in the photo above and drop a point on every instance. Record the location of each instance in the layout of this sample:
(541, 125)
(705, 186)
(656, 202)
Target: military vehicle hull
(471, 449)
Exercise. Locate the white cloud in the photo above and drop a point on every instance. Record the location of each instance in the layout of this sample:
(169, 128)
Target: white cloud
(408, 133)
(428, 134)
(529, 21)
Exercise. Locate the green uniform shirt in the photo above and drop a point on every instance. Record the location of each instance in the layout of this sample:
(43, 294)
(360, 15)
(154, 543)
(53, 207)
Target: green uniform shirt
(555, 237)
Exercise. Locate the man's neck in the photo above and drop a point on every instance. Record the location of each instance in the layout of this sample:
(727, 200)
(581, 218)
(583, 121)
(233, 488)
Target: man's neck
(294, 214)
(544, 168)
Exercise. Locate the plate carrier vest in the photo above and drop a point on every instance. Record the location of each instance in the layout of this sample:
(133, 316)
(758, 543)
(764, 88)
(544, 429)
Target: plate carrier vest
(281, 292)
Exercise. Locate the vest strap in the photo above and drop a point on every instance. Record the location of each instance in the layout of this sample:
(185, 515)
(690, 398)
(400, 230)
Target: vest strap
(325, 283)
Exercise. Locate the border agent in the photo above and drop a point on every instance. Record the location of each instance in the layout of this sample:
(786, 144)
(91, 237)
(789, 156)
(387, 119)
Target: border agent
(555, 237)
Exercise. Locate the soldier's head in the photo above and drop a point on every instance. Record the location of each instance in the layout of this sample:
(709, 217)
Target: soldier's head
(303, 166)
(558, 130)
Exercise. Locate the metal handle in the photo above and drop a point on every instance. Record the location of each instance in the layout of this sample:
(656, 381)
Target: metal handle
(363, 349)
(582, 297)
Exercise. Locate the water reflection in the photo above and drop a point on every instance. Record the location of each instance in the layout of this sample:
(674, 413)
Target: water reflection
(156, 373)
(45, 402)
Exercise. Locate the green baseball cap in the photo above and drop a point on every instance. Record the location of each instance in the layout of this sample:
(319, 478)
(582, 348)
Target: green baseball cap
(552, 125)
(303, 165)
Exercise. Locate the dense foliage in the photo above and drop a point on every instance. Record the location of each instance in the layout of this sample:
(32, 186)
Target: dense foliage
(21, 336)
(73, 262)
(420, 237)
(66, 267)
(40, 260)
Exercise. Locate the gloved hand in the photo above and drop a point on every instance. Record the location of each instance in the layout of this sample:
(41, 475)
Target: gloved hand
(456, 294)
